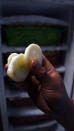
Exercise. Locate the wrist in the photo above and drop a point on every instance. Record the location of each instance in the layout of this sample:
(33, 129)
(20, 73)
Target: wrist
(65, 116)
(64, 108)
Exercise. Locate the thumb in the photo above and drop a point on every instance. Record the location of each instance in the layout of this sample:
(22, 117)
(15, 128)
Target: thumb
(37, 70)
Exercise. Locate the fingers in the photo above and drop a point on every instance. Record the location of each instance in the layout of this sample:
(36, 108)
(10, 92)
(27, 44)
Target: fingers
(38, 99)
(6, 66)
(36, 82)
(41, 103)
(33, 91)
(48, 66)
(39, 71)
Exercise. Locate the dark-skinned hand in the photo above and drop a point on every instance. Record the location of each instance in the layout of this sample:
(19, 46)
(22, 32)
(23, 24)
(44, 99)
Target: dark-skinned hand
(46, 87)
(47, 90)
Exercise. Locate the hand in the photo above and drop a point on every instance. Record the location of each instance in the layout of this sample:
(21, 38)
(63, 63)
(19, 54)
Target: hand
(46, 88)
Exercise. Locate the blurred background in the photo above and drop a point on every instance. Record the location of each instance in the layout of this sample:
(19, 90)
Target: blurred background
(48, 23)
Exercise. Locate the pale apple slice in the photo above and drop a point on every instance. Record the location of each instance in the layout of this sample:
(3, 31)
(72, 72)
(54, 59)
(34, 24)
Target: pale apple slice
(11, 57)
(33, 52)
(18, 68)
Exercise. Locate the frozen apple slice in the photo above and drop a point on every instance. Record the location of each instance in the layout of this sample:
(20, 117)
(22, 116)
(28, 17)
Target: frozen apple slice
(18, 68)
(33, 52)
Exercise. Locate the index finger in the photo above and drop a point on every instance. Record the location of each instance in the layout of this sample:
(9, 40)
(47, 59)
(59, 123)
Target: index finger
(47, 64)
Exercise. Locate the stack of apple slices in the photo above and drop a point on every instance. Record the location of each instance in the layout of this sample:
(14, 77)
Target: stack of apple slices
(19, 64)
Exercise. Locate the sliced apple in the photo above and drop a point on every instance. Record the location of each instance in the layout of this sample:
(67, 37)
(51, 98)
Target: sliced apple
(18, 64)
(33, 52)
(18, 68)
(11, 57)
